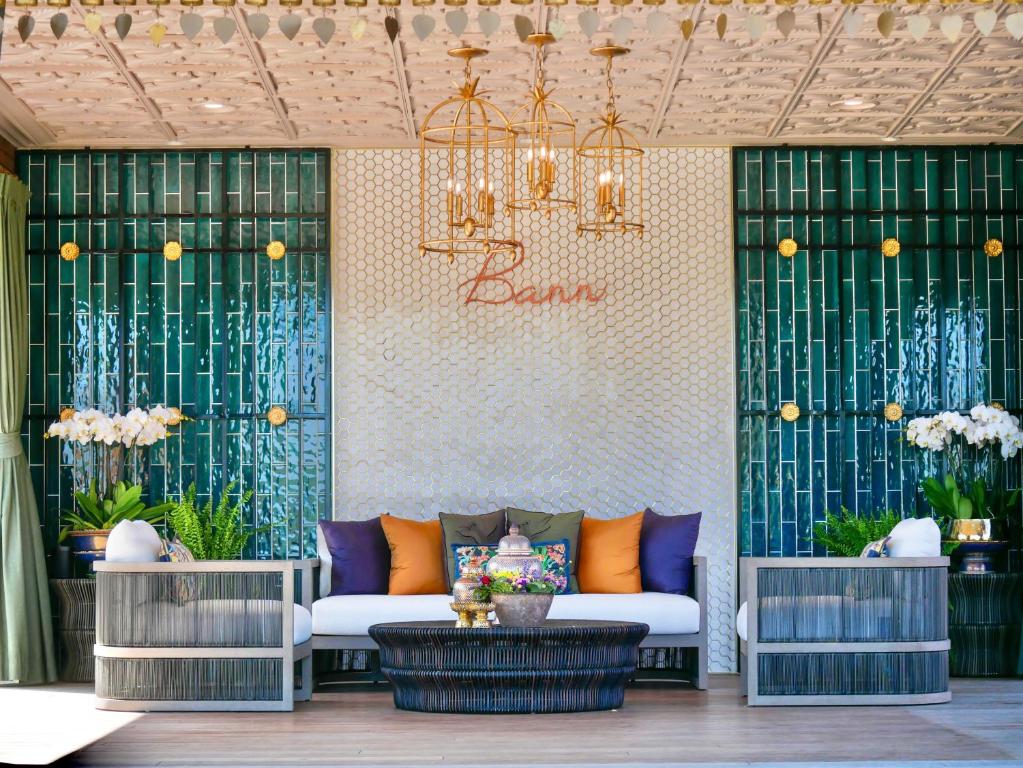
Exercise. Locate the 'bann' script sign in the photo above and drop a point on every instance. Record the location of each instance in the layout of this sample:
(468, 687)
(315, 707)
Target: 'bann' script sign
(492, 285)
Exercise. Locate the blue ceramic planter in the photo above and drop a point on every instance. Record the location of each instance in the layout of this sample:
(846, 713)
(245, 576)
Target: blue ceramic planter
(88, 546)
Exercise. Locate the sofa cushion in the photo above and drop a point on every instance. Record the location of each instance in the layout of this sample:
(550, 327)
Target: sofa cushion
(555, 555)
(609, 555)
(360, 559)
(666, 614)
(666, 547)
(546, 526)
(354, 614)
(417, 558)
(468, 529)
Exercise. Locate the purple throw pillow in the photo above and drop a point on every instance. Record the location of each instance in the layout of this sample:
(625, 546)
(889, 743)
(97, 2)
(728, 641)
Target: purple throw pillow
(360, 557)
(666, 547)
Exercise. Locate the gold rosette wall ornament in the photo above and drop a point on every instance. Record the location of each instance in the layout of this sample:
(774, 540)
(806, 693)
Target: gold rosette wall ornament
(276, 250)
(893, 412)
(277, 416)
(890, 248)
(790, 412)
(993, 247)
(70, 251)
(172, 250)
(788, 247)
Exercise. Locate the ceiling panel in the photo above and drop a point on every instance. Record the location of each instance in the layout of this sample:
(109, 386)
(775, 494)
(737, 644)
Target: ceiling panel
(94, 89)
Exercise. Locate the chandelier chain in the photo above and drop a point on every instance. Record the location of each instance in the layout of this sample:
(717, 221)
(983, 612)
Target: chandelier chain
(610, 89)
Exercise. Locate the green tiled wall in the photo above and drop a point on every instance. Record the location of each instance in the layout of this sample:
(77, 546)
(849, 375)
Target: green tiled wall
(224, 333)
(841, 331)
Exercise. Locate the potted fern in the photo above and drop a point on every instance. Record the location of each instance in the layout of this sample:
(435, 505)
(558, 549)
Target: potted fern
(847, 534)
(212, 533)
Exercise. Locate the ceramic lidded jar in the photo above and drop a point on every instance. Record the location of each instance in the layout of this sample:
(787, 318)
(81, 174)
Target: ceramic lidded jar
(514, 554)
(465, 585)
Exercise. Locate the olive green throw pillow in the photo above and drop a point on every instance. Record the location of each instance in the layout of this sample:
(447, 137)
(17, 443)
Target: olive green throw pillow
(468, 529)
(544, 526)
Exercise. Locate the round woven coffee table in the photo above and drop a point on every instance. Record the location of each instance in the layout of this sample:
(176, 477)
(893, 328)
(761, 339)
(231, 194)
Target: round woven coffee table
(563, 666)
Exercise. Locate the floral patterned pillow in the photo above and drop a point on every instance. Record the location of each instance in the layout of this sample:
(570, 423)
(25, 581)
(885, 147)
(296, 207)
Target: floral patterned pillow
(555, 554)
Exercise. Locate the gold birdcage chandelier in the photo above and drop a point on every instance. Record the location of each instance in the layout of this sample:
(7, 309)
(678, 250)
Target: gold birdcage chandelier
(466, 149)
(610, 190)
(546, 132)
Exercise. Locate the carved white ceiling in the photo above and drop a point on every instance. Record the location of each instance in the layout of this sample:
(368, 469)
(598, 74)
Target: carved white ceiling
(95, 90)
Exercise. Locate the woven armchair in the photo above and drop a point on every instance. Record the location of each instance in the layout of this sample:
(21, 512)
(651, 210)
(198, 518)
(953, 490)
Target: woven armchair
(845, 630)
(210, 635)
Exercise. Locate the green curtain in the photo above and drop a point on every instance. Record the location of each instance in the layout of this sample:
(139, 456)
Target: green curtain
(26, 635)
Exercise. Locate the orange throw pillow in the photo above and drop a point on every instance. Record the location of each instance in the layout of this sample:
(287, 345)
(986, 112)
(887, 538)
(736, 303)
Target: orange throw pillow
(417, 564)
(609, 555)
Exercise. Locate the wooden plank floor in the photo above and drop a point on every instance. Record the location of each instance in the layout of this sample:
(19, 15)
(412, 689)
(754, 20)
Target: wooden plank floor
(41, 724)
(657, 726)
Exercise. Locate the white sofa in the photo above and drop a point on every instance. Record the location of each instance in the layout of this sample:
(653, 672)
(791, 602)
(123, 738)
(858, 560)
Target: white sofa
(342, 622)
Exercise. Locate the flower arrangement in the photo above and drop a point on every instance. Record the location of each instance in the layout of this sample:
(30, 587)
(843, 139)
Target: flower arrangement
(105, 448)
(974, 448)
(516, 582)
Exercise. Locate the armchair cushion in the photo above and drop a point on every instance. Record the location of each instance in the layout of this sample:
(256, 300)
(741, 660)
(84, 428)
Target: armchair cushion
(133, 541)
(915, 537)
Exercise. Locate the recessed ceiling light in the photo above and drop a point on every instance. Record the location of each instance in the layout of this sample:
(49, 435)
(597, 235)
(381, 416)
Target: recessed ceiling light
(213, 105)
(889, 138)
(175, 143)
(854, 103)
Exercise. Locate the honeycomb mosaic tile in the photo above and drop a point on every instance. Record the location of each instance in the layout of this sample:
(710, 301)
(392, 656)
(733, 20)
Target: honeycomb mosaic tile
(608, 406)
(221, 331)
(843, 330)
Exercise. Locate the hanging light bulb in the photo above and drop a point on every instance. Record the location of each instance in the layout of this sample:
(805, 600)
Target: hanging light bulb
(609, 195)
(466, 146)
(542, 127)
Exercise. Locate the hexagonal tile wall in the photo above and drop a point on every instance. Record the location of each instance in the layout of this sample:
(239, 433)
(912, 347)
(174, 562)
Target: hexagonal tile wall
(608, 407)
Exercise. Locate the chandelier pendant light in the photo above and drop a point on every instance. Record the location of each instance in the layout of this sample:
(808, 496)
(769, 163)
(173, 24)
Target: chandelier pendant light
(466, 146)
(545, 142)
(609, 196)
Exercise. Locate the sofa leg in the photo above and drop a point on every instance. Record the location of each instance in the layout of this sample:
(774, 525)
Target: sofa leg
(305, 692)
(700, 678)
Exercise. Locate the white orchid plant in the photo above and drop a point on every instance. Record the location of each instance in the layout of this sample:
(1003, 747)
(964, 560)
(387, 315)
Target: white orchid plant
(971, 445)
(105, 447)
